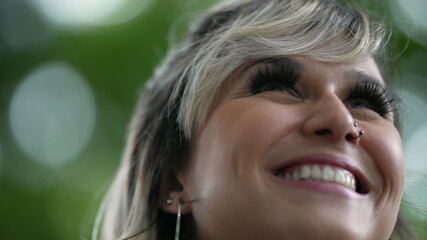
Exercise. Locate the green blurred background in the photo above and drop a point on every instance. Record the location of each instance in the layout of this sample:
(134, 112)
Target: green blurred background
(70, 73)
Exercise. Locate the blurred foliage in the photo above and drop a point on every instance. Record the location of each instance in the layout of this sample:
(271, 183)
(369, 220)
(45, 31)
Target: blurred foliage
(41, 202)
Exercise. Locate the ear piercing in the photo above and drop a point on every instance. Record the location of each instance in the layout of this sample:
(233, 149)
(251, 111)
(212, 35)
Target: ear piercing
(169, 201)
(178, 219)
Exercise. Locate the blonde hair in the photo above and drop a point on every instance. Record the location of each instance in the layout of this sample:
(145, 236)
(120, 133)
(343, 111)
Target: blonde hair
(179, 94)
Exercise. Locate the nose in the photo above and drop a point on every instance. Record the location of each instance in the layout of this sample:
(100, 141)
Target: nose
(330, 120)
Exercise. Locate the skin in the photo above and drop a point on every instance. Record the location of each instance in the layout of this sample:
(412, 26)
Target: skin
(229, 187)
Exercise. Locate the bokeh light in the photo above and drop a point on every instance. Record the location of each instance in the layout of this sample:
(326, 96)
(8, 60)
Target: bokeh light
(415, 196)
(415, 149)
(415, 152)
(415, 114)
(417, 10)
(416, 188)
(81, 13)
(52, 114)
(94, 167)
(411, 18)
(20, 27)
(415, 142)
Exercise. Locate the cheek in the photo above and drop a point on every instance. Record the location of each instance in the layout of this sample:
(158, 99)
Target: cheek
(244, 128)
(226, 162)
(234, 139)
(385, 146)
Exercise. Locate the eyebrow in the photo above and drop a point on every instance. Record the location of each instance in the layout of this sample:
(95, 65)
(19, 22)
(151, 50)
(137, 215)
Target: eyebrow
(359, 76)
(277, 61)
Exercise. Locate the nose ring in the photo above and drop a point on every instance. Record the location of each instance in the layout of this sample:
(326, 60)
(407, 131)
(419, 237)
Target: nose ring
(359, 133)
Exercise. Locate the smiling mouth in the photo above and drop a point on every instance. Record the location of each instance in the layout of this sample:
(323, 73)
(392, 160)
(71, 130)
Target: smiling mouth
(322, 173)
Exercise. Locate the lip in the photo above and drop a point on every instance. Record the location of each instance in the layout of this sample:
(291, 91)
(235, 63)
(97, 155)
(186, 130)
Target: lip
(325, 159)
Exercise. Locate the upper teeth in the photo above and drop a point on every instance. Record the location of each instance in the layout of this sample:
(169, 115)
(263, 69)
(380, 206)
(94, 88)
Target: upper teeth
(321, 173)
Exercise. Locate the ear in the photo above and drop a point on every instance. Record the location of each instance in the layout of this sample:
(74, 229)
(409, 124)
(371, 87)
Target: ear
(172, 193)
(170, 204)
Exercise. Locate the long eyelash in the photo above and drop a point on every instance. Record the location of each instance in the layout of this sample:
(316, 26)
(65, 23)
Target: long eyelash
(379, 97)
(269, 74)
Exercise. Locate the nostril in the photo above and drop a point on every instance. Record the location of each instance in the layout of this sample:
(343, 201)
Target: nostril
(351, 137)
(354, 136)
(324, 131)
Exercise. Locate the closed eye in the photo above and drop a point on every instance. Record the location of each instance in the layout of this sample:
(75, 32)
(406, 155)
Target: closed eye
(371, 96)
(275, 76)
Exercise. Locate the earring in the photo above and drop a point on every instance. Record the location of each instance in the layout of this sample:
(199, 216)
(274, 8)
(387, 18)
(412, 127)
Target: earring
(169, 201)
(178, 218)
(355, 124)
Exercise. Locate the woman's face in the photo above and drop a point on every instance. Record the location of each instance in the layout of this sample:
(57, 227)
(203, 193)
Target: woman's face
(278, 157)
